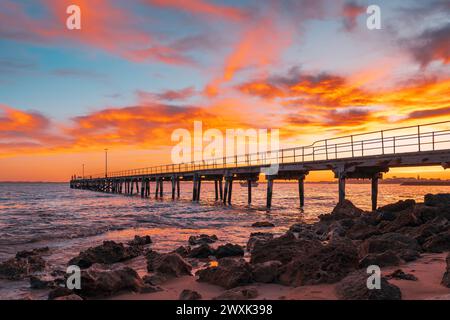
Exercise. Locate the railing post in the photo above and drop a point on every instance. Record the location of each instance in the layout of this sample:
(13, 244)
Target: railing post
(418, 136)
(432, 139)
(382, 142)
(335, 151)
(394, 143)
(326, 148)
(362, 148)
(353, 152)
(303, 154)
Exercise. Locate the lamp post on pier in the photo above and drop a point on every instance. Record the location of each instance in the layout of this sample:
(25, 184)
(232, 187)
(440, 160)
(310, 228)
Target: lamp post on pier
(106, 163)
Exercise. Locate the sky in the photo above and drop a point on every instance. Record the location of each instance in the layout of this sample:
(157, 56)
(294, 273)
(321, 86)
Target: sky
(138, 70)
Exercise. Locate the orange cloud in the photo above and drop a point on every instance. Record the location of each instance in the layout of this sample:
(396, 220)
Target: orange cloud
(202, 7)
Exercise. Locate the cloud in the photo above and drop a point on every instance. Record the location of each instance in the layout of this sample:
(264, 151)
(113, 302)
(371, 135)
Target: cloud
(431, 45)
(429, 113)
(78, 73)
(168, 95)
(105, 26)
(203, 8)
(350, 12)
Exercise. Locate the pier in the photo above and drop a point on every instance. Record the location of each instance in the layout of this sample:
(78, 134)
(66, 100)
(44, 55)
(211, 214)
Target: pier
(359, 156)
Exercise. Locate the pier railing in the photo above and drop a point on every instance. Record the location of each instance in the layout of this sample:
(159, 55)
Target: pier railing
(420, 138)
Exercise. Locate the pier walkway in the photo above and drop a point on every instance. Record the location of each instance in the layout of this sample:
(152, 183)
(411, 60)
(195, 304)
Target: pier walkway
(360, 156)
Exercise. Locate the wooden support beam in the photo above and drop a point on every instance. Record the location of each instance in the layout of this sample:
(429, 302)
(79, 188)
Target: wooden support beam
(269, 193)
(132, 187)
(161, 188)
(230, 189)
(142, 187)
(178, 188)
(216, 189)
(194, 188)
(157, 189)
(249, 191)
(173, 188)
(220, 189)
(341, 188)
(374, 191)
(301, 190)
(225, 191)
(199, 186)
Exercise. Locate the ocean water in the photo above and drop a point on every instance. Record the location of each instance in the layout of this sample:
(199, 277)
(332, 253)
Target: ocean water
(67, 220)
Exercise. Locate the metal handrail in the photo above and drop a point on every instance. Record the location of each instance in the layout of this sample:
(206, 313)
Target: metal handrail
(318, 150)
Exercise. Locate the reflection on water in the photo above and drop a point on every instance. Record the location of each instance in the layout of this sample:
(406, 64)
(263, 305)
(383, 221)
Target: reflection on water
(33, 215)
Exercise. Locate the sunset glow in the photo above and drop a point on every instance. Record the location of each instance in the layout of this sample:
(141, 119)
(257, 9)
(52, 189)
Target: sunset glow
(137, 70)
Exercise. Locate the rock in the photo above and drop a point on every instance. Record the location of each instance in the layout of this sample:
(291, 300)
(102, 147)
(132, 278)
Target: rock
(59, 292)
(23, 264)
(182, 251)
(238, 294)
(187, 294)
(387, 216)
(326, 265)
(437, 200)
(202, 239)
(361, 231)
(426, 213)
(354, 287)
(400, 275)
(446, 278)
(258, 238)
(307, 231)
(169, 264)
(335, 231)
(437, 243)
(426, 230)
(148, 288)
(229, 250)
(109, 252)
(202, 251)
(402, 245)
(99, 283)
(32, 253)
(283, 249)
(155, 279)
(37, 283)
(229, 273)
(266, 272)
(398, 206)
(343, 210)
(140, 241)
(384, 259)
(405, 218)
(69, 297)
(263, 224)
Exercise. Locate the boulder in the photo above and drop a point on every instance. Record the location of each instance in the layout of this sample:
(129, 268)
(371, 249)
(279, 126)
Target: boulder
(398, 206)
(384, 259)
(59, 292)
(140, 241)
(266, 272)
(437, 200)
(405, 218)
(404, 246)
(438, 243)
(202, 251)
(446, 278)
(229, 250)
(258, 238)
(107, 253)
(308, 231)
(168, 264)
(182, 251)
(242, 293)
(283, 249)
(229, 273)
(329, 264)
(23, 264)
(426, 230)
(263, 224)
(202, 239)
(400, 275)
(354, 287)
(187, 294)
(361, 231)
(99, 283)
(38, 283)
(155, 279)
(343, 210)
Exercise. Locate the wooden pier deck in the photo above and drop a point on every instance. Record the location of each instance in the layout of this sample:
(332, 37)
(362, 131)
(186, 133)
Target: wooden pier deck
(361, 156)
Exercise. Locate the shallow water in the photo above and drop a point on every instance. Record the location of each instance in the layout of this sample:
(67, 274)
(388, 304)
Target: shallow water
(66, 220)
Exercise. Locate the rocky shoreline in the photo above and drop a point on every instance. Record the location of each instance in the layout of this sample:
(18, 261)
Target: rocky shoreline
(334, 251)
